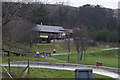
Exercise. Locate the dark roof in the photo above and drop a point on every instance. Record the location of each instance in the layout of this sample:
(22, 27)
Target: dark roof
(46, 28)
(69, 30)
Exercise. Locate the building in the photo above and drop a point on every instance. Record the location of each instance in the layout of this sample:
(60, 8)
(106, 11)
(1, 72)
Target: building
(47, 33)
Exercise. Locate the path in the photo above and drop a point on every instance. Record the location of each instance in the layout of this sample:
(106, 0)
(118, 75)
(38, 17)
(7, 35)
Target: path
(65, 67)
(60, 54)
(110, 48)
(50, 58)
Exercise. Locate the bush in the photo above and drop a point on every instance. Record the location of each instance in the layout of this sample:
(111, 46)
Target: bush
(103, 35)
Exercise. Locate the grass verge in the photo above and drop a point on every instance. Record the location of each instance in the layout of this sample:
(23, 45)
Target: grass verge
(26, 58)
(47, 73)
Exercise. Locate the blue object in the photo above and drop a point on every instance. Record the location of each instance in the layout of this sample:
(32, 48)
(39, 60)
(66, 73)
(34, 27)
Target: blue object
(80, 55)
(85, 74)
(37, 54)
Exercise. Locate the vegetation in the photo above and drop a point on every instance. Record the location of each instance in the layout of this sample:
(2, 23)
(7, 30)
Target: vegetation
(60, 47)
(108, 58)
(93, 54)
(40, 15)
(103, 35)
(18, 19)
(98, 22)
(50, 47)
(26, 58)
(47, 73)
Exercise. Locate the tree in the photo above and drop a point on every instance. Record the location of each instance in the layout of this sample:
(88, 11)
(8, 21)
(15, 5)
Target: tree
(97, 16)
(40, 14)
(16, 10)
(68, 43)
(9, 12)
(17, 31)
(80, 39)
(17, 20)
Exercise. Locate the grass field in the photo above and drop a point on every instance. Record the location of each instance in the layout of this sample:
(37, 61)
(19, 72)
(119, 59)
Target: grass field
(26, 58)
(60, 47)
(108, 58)
(93, 54)
(46, 73)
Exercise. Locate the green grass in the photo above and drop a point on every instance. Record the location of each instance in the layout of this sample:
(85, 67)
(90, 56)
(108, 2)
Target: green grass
(44, 44)
(46, 73)
(108, 58)
(60, 47)
(49, 48)
(24, 58)
(93, 54)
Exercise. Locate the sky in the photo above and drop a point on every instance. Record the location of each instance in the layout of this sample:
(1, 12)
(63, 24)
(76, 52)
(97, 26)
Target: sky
(76, 3)
(105, 3)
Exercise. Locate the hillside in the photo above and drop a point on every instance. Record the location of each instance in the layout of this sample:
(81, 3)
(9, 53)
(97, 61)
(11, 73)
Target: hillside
(100, 24)
(108, 58)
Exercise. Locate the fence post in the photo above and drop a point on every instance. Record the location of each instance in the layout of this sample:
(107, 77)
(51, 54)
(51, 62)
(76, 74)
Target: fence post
(9, 60)
(8, 73)
(28, 68)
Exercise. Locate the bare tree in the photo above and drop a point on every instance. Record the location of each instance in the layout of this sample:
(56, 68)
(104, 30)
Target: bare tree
(77, 38)
(68, 43)
(85, 40)
(17, 31)
(16, 10)
(80, 40)
(9, 12)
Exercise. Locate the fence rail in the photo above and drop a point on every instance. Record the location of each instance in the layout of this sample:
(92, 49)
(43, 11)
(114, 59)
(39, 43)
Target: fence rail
(14, 50)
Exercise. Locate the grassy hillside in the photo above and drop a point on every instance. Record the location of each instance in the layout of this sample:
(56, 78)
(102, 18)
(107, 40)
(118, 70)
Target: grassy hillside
(49, 48)
(108, 58)
(26, 58)
(63, 48)
(93, 54)
(60, 47)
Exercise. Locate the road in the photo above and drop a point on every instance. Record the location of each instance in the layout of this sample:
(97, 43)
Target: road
(110, 48)
(65, 67)
(60, 54)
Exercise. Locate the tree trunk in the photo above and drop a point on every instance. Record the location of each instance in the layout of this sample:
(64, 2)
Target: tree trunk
(68, 54)
(77, 56)
(84, 55)
(68, 47)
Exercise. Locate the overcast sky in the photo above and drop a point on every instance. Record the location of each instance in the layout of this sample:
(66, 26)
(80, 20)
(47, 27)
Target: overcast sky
(76, 3)
(105, 3)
